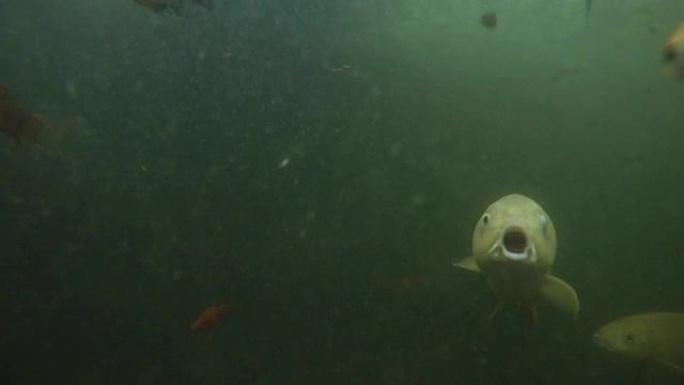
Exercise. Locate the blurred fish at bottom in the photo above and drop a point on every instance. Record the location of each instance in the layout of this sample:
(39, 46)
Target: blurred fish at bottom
(657, 337)
(174, 7)
(673, 53)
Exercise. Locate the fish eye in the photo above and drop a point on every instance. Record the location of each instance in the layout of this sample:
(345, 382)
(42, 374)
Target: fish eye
(629, 338)
(485, 219)
(545, 223)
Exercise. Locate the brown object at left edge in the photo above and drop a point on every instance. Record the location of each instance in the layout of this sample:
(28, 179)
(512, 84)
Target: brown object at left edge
(17, 122)
(210, 317)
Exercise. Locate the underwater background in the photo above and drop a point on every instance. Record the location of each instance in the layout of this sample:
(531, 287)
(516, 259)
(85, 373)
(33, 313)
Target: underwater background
(318, 166)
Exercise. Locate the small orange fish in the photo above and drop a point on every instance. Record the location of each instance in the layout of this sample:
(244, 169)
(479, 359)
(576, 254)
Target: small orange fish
(210, 317)
(673, 52)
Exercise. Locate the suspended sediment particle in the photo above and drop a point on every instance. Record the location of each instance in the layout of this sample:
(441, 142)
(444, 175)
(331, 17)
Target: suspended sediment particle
(489, 20)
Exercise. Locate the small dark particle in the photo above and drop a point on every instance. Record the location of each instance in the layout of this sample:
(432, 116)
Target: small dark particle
(489, 20)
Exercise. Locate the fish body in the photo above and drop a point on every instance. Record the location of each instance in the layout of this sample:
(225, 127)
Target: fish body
(655, 336)
(514, 247)
(673, 52)
(210, 317)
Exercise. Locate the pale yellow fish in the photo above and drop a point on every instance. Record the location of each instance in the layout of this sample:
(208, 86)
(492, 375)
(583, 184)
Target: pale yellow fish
(648, 336)
(514, 247)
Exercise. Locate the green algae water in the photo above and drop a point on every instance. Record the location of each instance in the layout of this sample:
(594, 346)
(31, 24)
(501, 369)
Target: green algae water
(318, 166)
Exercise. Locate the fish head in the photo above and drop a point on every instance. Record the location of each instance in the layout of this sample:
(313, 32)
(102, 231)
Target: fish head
(515, 229)
(629, 336)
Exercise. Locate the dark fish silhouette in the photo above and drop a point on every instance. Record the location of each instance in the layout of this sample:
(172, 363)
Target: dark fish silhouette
(174, 7)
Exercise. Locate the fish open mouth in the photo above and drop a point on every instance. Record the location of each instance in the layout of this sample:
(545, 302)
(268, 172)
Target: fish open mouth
(515, 243)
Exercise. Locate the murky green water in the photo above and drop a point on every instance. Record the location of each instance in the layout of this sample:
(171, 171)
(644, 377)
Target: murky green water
(319, 166)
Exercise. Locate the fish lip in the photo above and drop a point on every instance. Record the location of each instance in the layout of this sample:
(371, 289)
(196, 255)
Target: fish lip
(519, 235)
(599, 341)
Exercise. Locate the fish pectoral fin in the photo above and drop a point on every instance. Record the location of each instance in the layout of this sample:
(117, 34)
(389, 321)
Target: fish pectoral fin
(534, 314)
(494, 312)
(468, 264)
(674, 366)
(562, 295)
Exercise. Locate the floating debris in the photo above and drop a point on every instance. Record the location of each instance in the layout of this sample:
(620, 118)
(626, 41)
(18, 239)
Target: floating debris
(489, 20)
(174, 7)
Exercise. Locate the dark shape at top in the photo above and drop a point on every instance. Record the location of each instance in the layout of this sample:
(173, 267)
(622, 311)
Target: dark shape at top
(489, 20)
(17, 122)
(174, 7)
(587, 7)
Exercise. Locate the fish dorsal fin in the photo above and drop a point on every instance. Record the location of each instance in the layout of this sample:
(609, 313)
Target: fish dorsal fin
(468, 264)
(559, 293)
